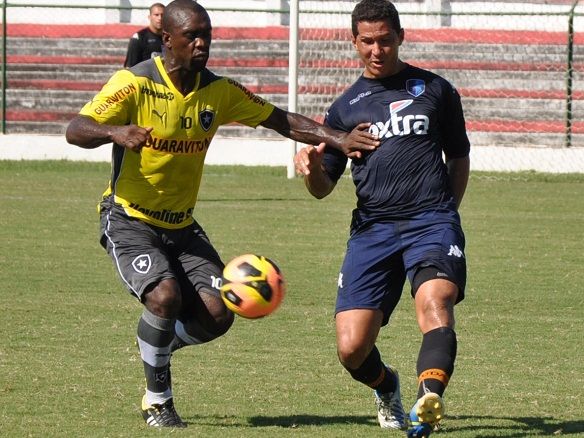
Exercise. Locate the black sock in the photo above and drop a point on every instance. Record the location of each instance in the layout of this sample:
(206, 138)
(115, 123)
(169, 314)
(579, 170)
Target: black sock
(155, 335)
(375, 374)
(436, 360)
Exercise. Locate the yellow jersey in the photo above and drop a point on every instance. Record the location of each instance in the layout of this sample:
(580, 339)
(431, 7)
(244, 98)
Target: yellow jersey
(160, 184)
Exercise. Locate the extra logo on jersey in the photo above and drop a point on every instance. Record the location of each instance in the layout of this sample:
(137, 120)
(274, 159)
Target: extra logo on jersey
(415, 87)
(206, 118)
(397, 125)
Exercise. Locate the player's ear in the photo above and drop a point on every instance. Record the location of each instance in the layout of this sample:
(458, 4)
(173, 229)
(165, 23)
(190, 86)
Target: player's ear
(401, 34)
(166, 39)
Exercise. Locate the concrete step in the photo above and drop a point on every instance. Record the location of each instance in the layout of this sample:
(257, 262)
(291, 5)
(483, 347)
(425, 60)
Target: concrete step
(72, 69)
(478, 138)
(117, 47)
(312, 49)
(315, 105)
(522, 83)
(514, 139)
(249, 76)
(503, 85)
(31, 127)
(56, 99)
(72, 101)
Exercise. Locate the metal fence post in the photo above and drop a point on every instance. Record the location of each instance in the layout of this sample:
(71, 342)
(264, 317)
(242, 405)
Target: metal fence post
(4, 65)
(570, 74)
(293, 33)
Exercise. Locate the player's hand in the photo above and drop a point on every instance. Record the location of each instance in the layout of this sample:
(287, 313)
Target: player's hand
(359, 140)
(132, 137)
(309, 158)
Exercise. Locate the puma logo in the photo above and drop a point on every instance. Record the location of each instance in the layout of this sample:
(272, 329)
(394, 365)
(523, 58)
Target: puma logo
(162, 116)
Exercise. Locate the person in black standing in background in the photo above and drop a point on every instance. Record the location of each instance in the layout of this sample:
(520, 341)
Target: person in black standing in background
(146, 43)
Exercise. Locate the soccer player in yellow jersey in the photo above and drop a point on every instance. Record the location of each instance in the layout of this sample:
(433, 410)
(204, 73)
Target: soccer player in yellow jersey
(161, 116)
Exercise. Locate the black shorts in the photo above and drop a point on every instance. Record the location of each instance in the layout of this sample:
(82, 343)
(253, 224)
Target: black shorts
(144, 254)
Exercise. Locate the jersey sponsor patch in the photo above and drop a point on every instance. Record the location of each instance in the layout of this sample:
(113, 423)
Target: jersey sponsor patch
(415, 87)
(416, 124)
(394, 107)
(359, 97)
(156, 94)
(115, 98)
(174, 146)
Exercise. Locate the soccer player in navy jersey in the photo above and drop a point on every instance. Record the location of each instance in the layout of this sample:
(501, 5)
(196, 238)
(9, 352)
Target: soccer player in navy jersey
(406, 224)
(161, 116)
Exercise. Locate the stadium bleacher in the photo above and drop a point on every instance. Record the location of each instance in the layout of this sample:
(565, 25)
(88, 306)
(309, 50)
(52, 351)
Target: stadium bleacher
(513, 83)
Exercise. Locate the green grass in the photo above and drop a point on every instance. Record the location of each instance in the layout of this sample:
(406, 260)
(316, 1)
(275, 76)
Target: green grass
(69, 367)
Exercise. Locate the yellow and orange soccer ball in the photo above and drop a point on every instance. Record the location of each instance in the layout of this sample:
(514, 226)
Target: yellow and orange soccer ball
(253, 286)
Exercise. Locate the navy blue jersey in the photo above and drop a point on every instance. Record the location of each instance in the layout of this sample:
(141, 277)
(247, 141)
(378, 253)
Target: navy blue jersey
(418, 117)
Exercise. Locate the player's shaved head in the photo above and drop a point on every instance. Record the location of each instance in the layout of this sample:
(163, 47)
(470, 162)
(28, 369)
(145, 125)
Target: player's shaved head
(156, 6)
(179, 11)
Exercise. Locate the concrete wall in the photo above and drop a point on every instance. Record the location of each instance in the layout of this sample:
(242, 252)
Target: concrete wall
(261, 152)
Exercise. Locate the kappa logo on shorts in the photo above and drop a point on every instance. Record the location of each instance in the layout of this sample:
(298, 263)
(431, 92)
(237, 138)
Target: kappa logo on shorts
(340, 280)
(455, 251)
(142, 264)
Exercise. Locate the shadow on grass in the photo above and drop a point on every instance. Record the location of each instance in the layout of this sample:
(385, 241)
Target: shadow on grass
(289, 421)
(310, 420)
(478, 426)
(252, 199)
(524, 426)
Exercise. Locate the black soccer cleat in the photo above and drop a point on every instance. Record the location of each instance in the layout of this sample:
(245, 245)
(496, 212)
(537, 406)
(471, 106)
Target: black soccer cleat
(162, 415)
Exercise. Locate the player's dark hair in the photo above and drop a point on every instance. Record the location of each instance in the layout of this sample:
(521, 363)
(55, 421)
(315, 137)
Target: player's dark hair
(375, 10)
(178, 11)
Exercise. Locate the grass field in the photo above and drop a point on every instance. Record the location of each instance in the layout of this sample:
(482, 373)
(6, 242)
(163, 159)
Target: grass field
(69, 367)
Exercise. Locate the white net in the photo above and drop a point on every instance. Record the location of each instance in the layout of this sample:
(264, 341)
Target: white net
(519, 65)
(518, 69)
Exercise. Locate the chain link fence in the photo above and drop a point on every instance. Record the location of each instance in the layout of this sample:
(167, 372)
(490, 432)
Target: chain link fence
(519, 66)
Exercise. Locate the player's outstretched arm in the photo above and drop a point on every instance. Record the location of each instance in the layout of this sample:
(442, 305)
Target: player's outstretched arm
(305, 130)
(308, 162)
(88, 134)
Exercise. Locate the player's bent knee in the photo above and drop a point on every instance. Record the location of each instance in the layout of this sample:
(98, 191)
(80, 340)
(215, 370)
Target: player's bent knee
(163, 299)
(203, 331)
(216, 319)
(351, 355)
(223, 323)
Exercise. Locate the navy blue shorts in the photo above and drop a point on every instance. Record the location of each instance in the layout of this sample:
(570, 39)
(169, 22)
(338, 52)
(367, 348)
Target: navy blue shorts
(381, 255)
